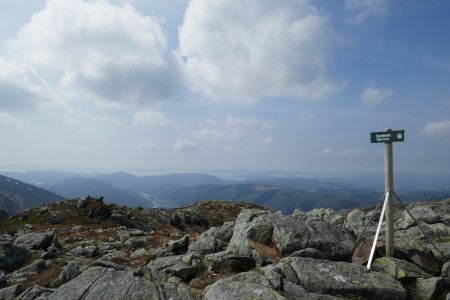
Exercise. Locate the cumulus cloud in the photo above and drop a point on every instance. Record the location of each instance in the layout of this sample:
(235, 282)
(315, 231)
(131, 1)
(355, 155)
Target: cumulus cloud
(21, 87)
(71, 120)
(8, 120)
(267, 140)
(361, 10)
(111, 53)
(374, 96)
(436, 128)
(146, 146)
(247, 50)
(185, 145)
(351, 152)
(149, 117)
(327, 151)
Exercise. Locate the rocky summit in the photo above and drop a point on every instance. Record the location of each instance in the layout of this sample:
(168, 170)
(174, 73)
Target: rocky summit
(221, 250)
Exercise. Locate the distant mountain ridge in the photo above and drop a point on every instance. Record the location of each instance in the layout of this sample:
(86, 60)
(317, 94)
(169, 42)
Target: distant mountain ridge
(284, 192)
(16, 196)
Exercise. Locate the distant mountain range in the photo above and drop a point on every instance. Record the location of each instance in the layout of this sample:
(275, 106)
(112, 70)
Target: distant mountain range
(284, 192)
(16, 196)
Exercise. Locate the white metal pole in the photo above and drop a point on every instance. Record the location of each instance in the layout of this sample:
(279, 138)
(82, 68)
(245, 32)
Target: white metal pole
(372, 251)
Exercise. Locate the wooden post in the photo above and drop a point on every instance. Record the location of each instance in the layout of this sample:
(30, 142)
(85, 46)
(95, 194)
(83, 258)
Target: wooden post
(389, 190)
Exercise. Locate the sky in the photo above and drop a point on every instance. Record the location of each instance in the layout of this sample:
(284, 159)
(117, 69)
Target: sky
(288, 85)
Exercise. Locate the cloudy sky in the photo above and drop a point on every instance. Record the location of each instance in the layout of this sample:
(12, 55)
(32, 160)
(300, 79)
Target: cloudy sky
(291, 85)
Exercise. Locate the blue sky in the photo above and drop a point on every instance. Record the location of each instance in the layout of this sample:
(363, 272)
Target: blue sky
(291, 85)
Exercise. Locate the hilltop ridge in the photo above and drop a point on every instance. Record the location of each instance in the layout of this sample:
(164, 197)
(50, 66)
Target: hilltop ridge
(217, 250)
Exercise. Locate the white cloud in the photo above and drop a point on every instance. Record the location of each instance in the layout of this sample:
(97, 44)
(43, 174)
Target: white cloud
(211, 134)
(209, 123)
(248, 50)
(71, 120)
(146, 146)
(232, 121)
(21, 87)
(185, 145)
(8, 120)
(363, 9)
(327, 151)
(111, 53)
(351, 152)
(148, 117)
(436, 128)
(374, 96)
(267, 140)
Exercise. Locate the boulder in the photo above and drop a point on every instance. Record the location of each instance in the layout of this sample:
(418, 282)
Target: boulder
(100, 213)
(399, 269)
(213, 240)
(69, 272)
(35, 240)
(159, 266)
(249, 285)
(100, 283)
(231, 264)
(35, 292)
(184, 272)
(108, 264)
(287, 235)
(340, 279)
(207, 244)
(295, 292)
(422, 213)
(429, 289)
(445, 273)
(11, 292)
(178, 246)
(12, 257)
(89, 251)
(34, 267)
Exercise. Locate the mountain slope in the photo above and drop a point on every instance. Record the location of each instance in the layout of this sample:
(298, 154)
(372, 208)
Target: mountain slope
(82, 187)
(16, 196)
(124, 180)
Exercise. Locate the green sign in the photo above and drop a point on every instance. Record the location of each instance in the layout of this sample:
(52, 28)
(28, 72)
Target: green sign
(387, 136)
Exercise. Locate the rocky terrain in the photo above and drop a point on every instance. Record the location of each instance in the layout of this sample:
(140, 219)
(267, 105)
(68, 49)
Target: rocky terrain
(88, 249)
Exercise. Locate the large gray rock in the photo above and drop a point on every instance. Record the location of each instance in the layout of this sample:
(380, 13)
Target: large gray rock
(340, 279)
(445, 272)
(287, 235)
(35, 292)
(164, 267)
(422, 213)
(100, 283)
(429, 289)
(399, 269)
(11, 292)
(12, 257)
(213, 240)
(35, 240)
(69, 272)
(207, 244)
(249, 285)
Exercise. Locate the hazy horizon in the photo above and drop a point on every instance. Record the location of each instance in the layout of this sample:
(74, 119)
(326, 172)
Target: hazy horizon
(192, 85)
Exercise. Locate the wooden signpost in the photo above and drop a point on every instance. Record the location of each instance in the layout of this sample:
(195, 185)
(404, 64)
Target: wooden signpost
(388, 136)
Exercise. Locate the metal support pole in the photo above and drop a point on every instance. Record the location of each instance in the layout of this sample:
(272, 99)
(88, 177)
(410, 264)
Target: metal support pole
(389, 191)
